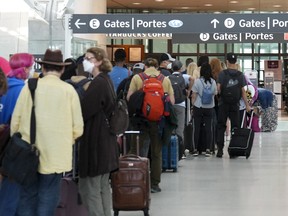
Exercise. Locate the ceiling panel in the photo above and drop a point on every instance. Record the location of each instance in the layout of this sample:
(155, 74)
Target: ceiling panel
(201, 6)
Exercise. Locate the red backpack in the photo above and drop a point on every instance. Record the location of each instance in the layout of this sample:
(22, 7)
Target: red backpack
(153, 103)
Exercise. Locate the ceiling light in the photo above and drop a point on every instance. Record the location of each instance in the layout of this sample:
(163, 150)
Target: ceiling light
(145, 11)
(184, 8)
(233, 2)
(136, 3)
(252, 9)
(159, 0)
(208, 5)
(232, 11)
(277, 6)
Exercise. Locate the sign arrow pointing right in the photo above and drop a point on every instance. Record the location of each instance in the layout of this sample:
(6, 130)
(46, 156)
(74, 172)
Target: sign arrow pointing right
(215, 22)
(78, 23)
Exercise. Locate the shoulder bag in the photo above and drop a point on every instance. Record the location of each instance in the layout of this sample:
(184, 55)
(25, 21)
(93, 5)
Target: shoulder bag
(21, 159)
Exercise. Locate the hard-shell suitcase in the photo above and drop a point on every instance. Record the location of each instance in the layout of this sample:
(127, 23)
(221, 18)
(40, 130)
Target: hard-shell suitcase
(170, 154)
(241, 140)
(131, 183)
(70, 201)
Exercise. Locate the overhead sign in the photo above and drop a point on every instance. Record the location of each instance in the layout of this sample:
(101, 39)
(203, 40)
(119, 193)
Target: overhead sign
(246, 37)
(178, 23)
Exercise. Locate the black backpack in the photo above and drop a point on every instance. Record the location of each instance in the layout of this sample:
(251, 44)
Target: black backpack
(231, 89)
(79, 86)
(178, 84)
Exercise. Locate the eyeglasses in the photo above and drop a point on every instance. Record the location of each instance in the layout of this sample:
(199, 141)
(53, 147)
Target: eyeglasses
(89, 58)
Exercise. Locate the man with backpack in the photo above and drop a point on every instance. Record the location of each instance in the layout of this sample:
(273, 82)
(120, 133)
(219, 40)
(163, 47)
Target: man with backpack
(230, 85)
(182, 85)
(152, 77)
(165, 64)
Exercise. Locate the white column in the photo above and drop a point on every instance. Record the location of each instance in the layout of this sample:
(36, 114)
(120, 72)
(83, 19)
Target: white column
(91, 7)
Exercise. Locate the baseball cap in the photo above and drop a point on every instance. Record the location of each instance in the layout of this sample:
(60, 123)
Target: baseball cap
(139, 66)
(231, 57)
(176, 65)
(166, 57)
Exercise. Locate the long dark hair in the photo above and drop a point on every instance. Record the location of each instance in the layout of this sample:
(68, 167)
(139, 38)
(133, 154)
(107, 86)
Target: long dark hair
(206, 72)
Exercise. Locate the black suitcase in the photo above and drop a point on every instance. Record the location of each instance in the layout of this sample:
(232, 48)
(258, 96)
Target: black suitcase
(188, 138)
(241, 140)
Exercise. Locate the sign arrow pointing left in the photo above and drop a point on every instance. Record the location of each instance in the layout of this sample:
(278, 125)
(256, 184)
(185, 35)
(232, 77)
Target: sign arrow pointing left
(78, 23)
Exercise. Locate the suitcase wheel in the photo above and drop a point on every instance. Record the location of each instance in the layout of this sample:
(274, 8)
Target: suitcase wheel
(175, 170)
(146, 212)
(116, 212)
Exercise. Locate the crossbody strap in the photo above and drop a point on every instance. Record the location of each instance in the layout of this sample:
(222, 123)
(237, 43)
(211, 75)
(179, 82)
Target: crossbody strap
(32, 84)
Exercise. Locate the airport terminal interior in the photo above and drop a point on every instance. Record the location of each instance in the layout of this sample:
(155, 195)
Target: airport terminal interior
(202, 186)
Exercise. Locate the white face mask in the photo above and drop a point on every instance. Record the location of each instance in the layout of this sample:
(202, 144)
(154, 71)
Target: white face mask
(88, 66)
(169, 66)
(31, 72)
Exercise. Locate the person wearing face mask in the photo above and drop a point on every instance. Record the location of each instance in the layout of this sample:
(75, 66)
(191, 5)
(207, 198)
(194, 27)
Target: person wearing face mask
(21, 65)
(98, 153)
(165, 64)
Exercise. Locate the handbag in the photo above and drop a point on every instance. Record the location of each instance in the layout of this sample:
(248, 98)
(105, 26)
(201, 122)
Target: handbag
(4, 140)
(119, 119)
(21, 159)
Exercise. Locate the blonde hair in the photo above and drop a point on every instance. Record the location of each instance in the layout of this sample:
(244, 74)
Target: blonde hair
(191, 68)
(216, 67)
(101, 55)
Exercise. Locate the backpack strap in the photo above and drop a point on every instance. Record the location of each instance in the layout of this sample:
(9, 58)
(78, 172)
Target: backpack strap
(160, 77)
(83, 81)
(144, 76)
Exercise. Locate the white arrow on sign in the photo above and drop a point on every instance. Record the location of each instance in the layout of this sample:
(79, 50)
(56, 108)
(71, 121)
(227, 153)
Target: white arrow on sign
(215, 22)
(78, 23)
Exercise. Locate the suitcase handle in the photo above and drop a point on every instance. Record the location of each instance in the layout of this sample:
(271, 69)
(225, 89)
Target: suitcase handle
(125, 141)
(245, 116)
(132, 156)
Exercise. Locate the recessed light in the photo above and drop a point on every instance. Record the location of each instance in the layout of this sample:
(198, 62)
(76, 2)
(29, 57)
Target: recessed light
(159, 0)
(233, 2)
(277, 6)
(184, 8)
(208, 5)
(251, 8)
(136, 3)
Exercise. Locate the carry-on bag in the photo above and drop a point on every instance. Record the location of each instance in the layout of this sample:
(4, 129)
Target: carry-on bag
(70, 203)
(241, 140)
(188, 137)
(170, 154)
(131, 183)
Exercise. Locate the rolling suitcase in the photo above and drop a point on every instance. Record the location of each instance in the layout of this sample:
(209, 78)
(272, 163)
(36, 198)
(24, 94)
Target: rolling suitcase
(131, 183)
(70, 202)
(241, 140)
(170, 154)
(188, 138)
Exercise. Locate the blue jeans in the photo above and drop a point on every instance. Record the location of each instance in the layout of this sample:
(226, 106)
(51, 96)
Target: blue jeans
(40, 199)
(9, 197)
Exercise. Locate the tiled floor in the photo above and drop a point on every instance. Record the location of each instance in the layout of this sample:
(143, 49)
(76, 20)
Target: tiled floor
(229, 187)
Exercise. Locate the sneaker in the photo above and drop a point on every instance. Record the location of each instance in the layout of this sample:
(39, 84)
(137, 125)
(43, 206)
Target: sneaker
(207, 153)
(219, 153)
(155, 189)
(195, 153)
